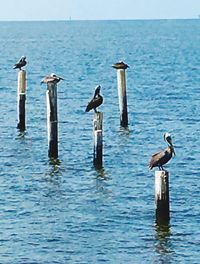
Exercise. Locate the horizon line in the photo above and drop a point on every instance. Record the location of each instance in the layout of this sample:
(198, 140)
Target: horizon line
(71, 19)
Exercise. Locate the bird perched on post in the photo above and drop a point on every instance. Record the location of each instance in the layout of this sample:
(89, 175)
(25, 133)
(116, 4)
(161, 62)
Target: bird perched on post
(52, 78)
(21, 63)
(96, 101)
(160, 158)
(120, 65)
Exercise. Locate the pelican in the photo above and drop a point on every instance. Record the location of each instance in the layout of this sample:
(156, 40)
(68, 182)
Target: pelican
(160, 158)
(52, 78)
(96, 101)
(21, 63)
(120, 65)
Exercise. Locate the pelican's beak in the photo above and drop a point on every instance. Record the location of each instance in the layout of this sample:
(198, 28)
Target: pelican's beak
(169, 140)
(173, 151)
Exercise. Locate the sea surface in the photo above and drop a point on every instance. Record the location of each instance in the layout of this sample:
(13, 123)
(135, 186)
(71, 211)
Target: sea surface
(70, 212)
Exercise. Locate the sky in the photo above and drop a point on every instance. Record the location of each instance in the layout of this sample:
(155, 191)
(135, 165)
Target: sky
(98, 9)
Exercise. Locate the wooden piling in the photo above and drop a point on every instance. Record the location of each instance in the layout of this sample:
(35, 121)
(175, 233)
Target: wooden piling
(162, 197)
(21, 98)
(98, 139)
(121, 84)
(52, 120)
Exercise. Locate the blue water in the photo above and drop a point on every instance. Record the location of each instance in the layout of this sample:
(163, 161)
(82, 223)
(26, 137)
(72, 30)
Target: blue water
(73, 213)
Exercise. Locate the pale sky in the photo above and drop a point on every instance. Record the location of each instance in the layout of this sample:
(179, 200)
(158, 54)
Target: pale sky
(98, 9)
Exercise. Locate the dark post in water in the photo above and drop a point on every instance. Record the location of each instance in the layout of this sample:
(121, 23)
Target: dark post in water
(21, 98)
(52, 120)
(162, 197)
(121, 81)
(98, 139)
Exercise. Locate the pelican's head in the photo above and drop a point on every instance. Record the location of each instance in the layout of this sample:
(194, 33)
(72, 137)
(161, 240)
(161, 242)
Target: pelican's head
(56, 77)
(23, 58)
(97, 89)
(168, 139)
(53, 75)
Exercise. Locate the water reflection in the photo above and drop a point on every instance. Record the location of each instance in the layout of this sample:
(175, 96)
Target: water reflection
(55, 166)
(21, 134)
(101, 182)
(163, 243)
(101, 173)
(124, 130)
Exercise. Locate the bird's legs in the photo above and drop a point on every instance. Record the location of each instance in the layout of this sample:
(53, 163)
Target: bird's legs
(161, 168)
(95, 110)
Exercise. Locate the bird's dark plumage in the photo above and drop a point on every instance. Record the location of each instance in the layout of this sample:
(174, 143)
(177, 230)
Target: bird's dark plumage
(96, 101)
(21, 63)
(120, 65)
(160, 158)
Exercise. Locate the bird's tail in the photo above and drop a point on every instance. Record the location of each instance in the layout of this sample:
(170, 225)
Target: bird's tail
(87, 109)
(150, 166)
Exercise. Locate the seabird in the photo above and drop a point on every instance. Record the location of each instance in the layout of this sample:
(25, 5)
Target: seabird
(162, 157)
(120, 65)
(96, 101)
(21, 63)
(53, 78)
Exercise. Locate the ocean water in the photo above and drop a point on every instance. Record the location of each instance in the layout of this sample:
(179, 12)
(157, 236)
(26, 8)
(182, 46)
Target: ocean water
(71, 212)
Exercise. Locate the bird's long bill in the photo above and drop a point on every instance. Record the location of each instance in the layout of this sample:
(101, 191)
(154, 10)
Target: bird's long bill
(172, 148)
(171, 145)
(173, 151)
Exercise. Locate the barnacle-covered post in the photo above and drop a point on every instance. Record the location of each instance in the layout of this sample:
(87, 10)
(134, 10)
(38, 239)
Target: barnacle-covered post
(52, 120)
(121, 84)
(98, 139)
(52, 114)
(21, 99)
(162, 197)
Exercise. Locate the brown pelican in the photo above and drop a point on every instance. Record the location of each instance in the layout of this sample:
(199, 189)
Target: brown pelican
(162, 157)
(21, 63)
(52, 78)
(96, 101)
(120, 65)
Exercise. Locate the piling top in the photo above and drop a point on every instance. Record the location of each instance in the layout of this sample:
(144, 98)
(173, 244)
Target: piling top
(120, 65)
(161, 173)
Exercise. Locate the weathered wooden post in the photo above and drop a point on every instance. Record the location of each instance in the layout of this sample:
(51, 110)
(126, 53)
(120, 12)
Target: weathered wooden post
(21, 98)
(52, 115)
(52, 120)
(162, 197)
(98, 139)
(121, 84)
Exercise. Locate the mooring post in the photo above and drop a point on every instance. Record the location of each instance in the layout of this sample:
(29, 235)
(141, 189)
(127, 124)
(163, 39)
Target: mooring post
(162, 197)
(21, 98)
(121, 84)
(52, 120)
(98, 139)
